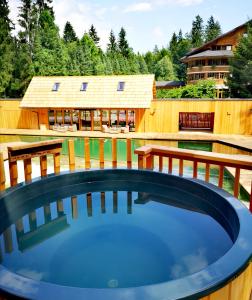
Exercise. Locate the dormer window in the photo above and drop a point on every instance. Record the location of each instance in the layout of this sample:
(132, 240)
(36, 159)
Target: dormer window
(121, 85)
(56, 87)
(84, 86)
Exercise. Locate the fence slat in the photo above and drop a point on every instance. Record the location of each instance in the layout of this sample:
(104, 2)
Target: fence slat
(207, 174)
(181, 165)
(43, 165)
(129, 154)
(221, 176)
(71, 155)
(101, 144)
(170, 165)
(237, 182)
(87, 153)
(195, 169)
(160, 164)
(114, 153)
(28, 169)
(2, 173)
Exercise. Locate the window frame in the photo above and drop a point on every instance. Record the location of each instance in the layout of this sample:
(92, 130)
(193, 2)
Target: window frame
(56, 87)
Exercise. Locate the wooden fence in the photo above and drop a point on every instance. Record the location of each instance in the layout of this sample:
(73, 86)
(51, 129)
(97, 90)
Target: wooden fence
(145, 154)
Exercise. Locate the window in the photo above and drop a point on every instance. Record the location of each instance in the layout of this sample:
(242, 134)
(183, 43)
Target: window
(120, 86)
(84, 86)
(56, 87)
(229, 47)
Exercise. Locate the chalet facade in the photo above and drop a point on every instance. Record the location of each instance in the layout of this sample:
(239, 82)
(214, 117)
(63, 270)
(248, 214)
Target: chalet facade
(211, 61)
(88, 102)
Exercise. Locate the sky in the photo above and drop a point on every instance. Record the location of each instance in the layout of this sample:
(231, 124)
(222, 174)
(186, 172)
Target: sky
(147, 22)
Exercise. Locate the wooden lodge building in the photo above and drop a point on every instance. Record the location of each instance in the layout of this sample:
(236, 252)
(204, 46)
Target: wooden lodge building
(89, 101)
(211, 60)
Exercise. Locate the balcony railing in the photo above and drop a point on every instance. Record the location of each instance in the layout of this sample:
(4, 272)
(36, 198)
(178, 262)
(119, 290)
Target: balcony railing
(145, 154)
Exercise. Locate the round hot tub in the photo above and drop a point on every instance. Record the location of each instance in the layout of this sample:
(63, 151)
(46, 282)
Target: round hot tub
(120, 234)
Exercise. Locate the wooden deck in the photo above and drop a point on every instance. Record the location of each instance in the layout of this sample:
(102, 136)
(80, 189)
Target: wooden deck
(242, 141)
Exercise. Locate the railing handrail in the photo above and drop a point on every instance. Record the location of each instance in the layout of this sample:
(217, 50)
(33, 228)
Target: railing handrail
(239, 161)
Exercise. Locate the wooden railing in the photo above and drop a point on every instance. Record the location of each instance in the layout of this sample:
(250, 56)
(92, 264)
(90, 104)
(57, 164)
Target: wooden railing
(145, 154)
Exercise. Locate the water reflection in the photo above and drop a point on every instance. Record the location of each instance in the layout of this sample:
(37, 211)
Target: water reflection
(95, 238)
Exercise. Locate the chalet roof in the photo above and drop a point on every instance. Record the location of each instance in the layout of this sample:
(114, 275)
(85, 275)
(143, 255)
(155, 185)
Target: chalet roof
(208, 44)
(101, 92)
(211, 54)
(172, 83)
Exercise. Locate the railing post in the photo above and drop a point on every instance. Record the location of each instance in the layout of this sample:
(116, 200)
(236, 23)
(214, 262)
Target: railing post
(181, 165)
(129, 155)
(87, 152)
(71, 155)
(28, 169)
(160, 164)
(2, 173)
(221, 176)
(150, 162)
(237, 182)
(56, 162)
(207, 174)
(13, 173)
(43, 165)
(101, 144)
(195, 169)
(170, 165)
(114, 153)
(140, 161)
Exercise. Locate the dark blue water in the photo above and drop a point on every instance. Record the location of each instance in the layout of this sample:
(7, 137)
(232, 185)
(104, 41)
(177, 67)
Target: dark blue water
(112, 239)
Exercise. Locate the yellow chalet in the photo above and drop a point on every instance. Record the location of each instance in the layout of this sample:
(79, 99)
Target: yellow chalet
(90, 101)
(211, 60)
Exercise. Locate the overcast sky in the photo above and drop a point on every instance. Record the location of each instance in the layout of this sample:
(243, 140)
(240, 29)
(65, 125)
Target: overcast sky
(147, 22)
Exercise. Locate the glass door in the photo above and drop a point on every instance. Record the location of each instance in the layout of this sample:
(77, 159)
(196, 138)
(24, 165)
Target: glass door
(85, 116)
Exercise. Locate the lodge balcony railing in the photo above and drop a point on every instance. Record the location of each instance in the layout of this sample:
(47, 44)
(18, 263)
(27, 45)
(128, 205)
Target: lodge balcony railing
(146, 155)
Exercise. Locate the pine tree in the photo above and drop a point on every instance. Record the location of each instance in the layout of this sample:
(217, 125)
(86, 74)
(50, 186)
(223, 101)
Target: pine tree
(240, 79)
(212, 30)
(69, 34)
(112, 45)
(164, 69)
(93, 34)
(6, 48)
(197, 33)
(50, 55)
(123, 45)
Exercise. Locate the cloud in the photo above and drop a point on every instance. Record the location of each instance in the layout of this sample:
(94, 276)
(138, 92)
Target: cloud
(151, 4)
(139, 7)
(158, 32)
